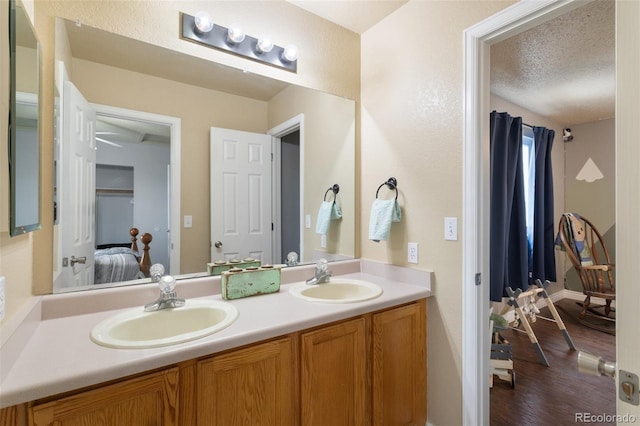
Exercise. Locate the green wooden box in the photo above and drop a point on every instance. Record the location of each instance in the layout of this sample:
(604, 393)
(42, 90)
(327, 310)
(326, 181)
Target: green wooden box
(238, 283)
(215, 268)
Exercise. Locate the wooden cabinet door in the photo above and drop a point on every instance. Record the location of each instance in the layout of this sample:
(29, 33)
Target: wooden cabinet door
(147, 400)
(400, 366)
(252, 386)
(334, 385)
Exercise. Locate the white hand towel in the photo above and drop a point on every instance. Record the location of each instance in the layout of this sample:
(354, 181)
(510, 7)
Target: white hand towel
(336, 211)
(324, 216)
(329, 210)
(383, 212)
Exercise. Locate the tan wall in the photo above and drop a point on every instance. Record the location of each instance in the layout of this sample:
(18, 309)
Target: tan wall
(15, 252)
(412, 95)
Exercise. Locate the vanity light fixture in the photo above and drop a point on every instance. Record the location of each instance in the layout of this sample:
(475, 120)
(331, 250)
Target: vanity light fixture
(264, 45)
(235, 34)
(201, 29)
(203, 22)
(290, 53)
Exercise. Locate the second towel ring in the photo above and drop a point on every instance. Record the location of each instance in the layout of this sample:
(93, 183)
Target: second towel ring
(392, 184)
(335, 188)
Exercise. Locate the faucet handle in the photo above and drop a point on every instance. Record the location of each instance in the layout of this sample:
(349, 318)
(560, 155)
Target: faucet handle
(167, 284)
(156, 272)
(322, 265)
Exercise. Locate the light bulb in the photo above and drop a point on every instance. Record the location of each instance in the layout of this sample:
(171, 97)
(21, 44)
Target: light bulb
(290, 53)
(235, 34)
(203, 21)
(265, 45)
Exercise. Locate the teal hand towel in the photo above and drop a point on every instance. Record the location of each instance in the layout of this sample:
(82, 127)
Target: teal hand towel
(383, 213)
(336, 211)
(329, 210)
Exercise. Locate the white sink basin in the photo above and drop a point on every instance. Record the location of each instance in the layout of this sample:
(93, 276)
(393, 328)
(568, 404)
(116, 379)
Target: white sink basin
(338, 290)
(136, 328)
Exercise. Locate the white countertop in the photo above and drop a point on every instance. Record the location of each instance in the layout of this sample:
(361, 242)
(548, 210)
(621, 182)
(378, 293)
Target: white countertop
(59, 356)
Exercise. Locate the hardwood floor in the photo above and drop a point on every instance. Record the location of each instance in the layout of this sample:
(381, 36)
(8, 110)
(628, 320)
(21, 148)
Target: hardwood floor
(559, 394)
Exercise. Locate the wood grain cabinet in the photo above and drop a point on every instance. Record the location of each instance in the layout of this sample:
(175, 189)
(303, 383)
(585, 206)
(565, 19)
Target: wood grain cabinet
(147, 400)
(334, 384)
(400, 366)
(252, 386)
(368, 370)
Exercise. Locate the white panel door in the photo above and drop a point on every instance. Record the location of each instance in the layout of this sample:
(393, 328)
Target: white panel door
(77, 188)
(240, 195)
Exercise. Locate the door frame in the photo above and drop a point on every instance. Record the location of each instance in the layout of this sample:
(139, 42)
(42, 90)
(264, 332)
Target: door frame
(277, 133)
(478, 39)
(174, 170)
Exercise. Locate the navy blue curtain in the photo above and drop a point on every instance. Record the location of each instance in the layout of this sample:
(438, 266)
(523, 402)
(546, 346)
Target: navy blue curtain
(509, 263)
(544, 260)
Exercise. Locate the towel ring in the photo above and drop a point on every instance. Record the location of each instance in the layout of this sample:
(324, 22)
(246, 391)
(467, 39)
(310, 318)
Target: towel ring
(392, 184)
(335, 188)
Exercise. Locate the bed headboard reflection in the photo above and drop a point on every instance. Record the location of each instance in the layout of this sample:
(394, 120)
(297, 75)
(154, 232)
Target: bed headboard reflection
(123, 261)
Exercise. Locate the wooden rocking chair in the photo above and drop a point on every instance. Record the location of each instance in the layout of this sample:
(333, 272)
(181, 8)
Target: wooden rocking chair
(589, 256)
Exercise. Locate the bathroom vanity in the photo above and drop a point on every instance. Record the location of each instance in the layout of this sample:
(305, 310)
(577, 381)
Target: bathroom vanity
(283, 361)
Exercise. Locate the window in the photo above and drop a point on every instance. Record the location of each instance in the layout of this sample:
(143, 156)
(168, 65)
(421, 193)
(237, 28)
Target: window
(529, 175)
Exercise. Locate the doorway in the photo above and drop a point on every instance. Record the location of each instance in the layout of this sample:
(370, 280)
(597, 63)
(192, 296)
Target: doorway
(289, 194)
(150, 144)
(579, 46)
(478, 39)
(288, 183)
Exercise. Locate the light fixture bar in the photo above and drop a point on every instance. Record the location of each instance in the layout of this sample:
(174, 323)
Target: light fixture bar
(247, 48)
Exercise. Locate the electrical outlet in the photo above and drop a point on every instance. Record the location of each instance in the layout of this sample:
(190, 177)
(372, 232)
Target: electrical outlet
(451, 228)
(1, 298)
(323, 241)
(412, 252)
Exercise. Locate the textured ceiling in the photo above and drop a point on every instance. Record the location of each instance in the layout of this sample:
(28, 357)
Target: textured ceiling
(563, 69)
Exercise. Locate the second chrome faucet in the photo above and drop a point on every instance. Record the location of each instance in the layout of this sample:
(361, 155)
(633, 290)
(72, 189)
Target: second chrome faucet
(322, 274)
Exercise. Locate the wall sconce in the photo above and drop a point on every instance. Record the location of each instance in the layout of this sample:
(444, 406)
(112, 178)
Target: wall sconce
(201, 29)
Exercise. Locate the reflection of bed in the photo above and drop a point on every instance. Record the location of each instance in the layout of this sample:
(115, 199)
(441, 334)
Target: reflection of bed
(123, 262)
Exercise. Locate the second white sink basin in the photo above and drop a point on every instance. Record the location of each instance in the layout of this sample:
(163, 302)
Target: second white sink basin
(136, 328)
(338, 290)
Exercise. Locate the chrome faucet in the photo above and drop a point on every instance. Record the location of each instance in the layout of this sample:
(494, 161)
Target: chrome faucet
(322, 274)
(168, 298)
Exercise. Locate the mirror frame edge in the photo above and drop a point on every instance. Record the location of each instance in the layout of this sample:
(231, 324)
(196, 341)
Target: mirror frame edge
(16, 230)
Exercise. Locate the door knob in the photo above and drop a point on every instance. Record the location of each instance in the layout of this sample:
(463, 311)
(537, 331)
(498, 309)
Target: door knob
(218, 244)
(75, 260)
(595, 365)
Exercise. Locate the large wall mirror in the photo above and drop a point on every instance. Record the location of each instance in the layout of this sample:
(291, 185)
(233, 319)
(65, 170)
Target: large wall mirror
(154, 161)
(24, 147)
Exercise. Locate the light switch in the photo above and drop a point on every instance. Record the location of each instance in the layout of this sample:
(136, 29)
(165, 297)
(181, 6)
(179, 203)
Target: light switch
(451, 228)
(307, 221)
(188, 221)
